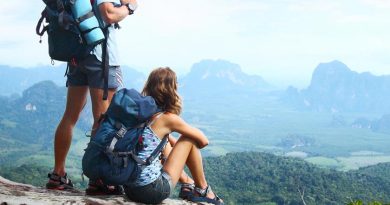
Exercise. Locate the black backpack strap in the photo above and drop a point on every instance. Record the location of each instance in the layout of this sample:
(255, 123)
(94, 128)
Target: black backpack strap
(60, 5)
(157, 151)
(85, 17)
(152, 156)
(39, 25)
(116, 137)
(120, 133)
(105, 63)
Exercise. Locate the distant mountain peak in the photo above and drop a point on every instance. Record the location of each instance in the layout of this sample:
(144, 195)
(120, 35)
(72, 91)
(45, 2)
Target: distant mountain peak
(332, 67)
(214, 74)
(330, 72)
(218, 68)
(334, 86)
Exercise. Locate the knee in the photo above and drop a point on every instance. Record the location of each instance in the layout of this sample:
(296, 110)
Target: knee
(188, 140)
(70, 118)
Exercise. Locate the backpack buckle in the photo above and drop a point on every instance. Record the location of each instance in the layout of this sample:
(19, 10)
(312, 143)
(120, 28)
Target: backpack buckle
(73, 62)
(121, 132)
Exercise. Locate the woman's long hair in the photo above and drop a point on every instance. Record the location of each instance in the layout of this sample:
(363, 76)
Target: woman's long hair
(162, 86)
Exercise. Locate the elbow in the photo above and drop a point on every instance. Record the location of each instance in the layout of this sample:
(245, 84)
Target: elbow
(109, 19)
(204, 142)
(107, 12)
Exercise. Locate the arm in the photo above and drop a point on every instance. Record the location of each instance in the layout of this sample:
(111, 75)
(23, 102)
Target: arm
(112, 14)
(176, 124)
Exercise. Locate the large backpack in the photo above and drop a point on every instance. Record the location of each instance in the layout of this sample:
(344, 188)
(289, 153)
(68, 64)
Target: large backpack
(111, 155)
(73, 31)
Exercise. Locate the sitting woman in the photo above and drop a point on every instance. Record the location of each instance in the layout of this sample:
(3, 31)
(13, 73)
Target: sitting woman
(156, 181)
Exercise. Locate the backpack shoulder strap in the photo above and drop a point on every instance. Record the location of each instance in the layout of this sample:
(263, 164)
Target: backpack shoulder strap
(39, 25)
(105, 63)
(158, 149)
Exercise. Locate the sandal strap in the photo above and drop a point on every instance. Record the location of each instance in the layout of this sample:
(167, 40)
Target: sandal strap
(62, 179)
(187, 186)
(203, 192)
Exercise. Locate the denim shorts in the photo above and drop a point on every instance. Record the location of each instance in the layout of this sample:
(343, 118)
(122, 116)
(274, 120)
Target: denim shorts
(89, 73)
(153, 193)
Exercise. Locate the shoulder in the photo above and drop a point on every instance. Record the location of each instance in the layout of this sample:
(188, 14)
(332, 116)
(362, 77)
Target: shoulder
(170, 117)
(171, 120)
(164, 124)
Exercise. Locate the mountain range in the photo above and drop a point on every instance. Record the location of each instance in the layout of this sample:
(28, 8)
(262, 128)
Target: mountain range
(333, 88)
(28, 120)
(31, 110)
(221, 75)
(14, 80)
(336, 88)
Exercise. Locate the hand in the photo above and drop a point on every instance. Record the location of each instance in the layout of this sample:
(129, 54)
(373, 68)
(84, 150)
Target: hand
(172, 140)
(203, 143)
(124, 2)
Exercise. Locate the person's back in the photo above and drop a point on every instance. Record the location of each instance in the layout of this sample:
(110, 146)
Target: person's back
(150, 143)
(156, 181)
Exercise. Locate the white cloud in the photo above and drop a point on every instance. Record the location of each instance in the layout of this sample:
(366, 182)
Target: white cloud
(353, 18)
(382, 4)
(314, 6)
(260, 35)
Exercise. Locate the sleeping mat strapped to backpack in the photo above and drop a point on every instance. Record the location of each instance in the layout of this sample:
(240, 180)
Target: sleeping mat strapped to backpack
(73, 29)
(111, 155)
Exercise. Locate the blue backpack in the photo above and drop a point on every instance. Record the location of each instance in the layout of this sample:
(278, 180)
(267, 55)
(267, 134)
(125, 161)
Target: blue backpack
(73, 32)
(111, 155)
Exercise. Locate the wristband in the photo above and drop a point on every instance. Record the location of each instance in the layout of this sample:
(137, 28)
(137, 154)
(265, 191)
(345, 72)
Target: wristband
(131, 8)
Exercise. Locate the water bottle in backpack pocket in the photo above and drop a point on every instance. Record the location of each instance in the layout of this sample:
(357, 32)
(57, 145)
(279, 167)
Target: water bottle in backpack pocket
(87, 22)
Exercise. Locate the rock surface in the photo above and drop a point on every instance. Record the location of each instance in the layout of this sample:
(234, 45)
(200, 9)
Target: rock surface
(12, 193)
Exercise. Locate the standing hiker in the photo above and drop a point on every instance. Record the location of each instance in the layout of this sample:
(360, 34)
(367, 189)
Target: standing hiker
(87, 75)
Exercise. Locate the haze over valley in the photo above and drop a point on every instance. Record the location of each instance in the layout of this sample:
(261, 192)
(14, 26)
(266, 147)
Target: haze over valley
(340, 120)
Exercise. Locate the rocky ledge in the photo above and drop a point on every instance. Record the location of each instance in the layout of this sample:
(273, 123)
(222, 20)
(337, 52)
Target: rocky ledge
(12, 193)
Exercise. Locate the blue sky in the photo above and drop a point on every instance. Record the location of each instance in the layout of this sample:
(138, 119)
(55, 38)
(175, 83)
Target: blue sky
(280, 40)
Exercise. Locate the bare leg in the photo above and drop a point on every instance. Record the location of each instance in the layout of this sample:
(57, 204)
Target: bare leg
(184, 178)
(75, 102)
(186, 152)
(99, 106)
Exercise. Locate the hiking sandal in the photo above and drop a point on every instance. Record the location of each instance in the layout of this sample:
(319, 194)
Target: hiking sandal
(98, 188)
(203, 196)
(57, 182)
(186, 190)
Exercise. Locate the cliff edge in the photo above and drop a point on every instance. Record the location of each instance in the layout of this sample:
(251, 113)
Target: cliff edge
(12, 193)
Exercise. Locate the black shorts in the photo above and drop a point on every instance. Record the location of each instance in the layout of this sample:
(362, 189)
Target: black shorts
(153, 193)
(89, 73)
